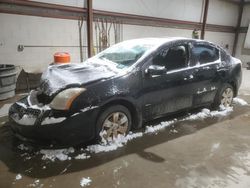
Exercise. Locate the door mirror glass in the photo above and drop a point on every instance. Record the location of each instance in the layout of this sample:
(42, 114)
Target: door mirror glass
(156, 70)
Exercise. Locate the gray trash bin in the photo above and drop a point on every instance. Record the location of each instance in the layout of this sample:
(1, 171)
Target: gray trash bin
(7, 81)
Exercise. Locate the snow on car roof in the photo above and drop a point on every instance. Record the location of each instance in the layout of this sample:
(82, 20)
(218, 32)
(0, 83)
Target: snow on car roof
(155, 40)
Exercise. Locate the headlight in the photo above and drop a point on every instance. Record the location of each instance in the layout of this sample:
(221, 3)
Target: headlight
(64, 99)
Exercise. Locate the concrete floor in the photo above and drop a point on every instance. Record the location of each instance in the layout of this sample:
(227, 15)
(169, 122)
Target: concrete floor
(214, 152)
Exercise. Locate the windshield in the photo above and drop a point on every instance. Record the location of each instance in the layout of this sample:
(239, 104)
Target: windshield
(125, 54)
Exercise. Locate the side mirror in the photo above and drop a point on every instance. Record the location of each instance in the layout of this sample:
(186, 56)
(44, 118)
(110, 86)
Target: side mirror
(156, 70)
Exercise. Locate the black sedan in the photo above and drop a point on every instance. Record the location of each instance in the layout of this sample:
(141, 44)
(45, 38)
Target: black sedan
(124, 86)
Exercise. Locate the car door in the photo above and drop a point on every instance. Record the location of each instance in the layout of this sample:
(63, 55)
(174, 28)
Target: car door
(206, 61)
(166, 81)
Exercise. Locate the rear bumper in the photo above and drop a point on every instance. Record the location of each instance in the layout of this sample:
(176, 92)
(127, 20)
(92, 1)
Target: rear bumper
(74, 129)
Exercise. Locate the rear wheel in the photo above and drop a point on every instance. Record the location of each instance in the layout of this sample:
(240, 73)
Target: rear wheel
(113, 121)
(227, 97)
(224, 96)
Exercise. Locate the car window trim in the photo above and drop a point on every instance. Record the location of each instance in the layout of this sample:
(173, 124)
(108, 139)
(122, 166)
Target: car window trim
(218, 61)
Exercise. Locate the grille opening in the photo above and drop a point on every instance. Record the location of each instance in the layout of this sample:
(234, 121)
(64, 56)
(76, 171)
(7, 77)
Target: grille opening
(21, 111)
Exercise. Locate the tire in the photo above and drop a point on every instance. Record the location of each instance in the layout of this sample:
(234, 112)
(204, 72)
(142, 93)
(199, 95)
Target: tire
(224, 96)
(113, 121)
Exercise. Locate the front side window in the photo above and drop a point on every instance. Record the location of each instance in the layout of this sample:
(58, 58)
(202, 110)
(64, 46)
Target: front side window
(172, 58)
(205, 54)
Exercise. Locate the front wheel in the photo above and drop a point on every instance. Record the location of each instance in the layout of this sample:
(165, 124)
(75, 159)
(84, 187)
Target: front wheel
(113, 121)
(224, 96)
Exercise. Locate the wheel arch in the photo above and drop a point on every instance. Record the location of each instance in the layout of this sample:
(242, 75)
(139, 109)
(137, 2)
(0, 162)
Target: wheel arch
(234, 85)
(235, 78)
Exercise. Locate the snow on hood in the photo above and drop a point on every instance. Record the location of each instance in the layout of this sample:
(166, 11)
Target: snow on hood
(58, 77)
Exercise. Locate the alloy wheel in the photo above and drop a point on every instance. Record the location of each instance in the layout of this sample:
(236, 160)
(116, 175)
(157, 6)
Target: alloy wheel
(227, 97)
(115, 124)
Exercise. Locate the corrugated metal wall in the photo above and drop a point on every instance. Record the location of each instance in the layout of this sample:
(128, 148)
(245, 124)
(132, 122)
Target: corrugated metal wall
(52, 32)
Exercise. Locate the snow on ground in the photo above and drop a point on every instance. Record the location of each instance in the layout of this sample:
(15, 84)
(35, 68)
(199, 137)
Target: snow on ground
(82, 156)
(239, 101)
(63, 154)
(221, 113)
(205, 113)
(85, 182)
(4, 110)
(60, 154)
(35, 184)
(18, 176)
(118, 142)
(215, 147)
(162, 125)
(173, 131)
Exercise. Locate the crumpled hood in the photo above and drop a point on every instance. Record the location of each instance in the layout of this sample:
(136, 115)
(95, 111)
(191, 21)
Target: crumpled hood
(58, 77)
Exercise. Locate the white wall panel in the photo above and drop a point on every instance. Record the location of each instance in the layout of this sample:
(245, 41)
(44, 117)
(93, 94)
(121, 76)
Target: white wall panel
(241, 52)
(30, 30)
(132, 31)
(189, 10)
(222, 39)
(246, 16)
(222, 13)
(247, 40)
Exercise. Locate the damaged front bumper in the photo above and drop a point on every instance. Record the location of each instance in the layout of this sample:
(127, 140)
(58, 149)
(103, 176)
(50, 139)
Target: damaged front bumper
(47, 126)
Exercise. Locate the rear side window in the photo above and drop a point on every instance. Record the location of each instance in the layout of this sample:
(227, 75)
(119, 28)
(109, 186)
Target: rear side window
(205, 54)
